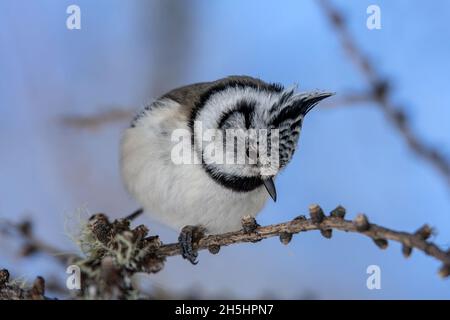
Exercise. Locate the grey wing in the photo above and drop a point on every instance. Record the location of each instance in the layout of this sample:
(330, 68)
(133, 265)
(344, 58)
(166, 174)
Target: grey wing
(186, 96)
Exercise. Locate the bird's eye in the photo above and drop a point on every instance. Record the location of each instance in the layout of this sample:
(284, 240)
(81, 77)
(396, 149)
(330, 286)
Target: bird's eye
(252, 151)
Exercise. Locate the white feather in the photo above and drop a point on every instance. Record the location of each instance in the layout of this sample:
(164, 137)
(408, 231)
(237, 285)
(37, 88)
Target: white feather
(180, 195)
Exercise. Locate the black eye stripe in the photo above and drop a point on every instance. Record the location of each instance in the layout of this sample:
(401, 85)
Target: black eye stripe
(244, 107)
(224, 118)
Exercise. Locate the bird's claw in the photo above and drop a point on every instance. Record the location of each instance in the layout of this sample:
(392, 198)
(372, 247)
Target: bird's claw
(249, 224)
(186, 239)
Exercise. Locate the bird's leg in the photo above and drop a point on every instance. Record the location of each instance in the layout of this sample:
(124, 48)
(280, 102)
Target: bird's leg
(249, 225)
(188, 236)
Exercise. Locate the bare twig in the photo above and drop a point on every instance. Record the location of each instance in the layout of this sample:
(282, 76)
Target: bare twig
(349, 99)
(97, 120)
(30, 243)
(381, 93)
(135, 214)
(325, 224)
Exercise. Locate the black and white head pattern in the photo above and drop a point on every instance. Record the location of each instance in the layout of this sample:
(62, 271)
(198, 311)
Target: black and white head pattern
(237, 105)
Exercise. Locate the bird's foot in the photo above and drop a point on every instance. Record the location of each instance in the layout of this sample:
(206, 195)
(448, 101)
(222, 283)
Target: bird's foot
(188, 236)
(249, 225)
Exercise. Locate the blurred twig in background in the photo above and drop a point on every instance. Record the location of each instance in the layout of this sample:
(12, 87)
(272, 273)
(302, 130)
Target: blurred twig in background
(114, 252)
(96, 121)
(348, 99)
(168, 31)
(30, 244)
(380, 92)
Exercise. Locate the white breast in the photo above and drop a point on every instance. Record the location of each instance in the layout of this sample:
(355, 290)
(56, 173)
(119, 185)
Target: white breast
(183, 194)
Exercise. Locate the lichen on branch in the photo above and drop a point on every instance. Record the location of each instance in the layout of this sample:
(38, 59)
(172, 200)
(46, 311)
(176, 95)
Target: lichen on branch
(113, 251)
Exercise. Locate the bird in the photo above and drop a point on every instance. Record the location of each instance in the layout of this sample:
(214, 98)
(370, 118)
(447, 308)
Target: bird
(199, 197)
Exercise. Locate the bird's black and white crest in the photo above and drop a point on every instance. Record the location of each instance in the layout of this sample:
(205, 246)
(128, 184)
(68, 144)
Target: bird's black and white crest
(287, 116)
(248, 103)
(209, 193)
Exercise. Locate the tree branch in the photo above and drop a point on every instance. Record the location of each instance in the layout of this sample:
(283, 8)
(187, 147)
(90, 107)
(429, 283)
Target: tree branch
(151, 250)
(381, 93)
(114, 251)
(319, 221)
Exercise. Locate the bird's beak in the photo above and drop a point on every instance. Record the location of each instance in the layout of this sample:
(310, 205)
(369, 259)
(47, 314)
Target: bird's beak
(270, 187)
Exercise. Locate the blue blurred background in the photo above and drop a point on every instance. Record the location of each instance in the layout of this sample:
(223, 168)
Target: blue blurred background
(130, 52)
